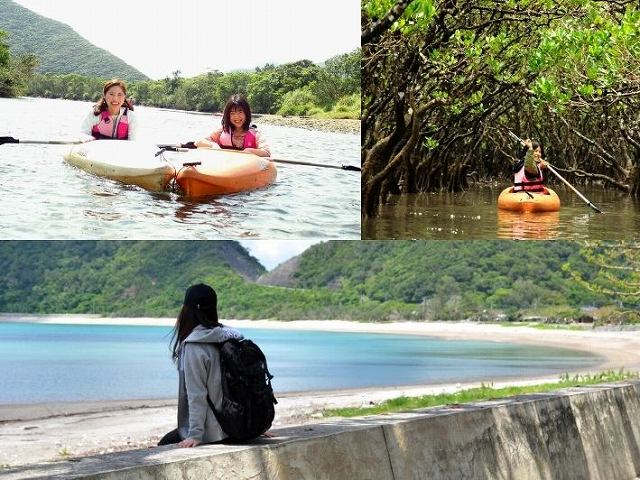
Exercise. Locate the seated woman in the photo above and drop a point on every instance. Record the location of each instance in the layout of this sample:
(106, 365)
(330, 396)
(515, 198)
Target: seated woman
(237, 133)
(112, 116)
(196, 333)
(528, 171)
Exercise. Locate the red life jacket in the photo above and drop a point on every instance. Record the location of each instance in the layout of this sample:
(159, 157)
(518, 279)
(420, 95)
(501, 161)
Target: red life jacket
(249, 140)
(104, 129)
(521, 182)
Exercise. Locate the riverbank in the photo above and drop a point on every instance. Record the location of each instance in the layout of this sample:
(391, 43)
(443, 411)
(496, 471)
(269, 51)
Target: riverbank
(336, 125)
(47, 432)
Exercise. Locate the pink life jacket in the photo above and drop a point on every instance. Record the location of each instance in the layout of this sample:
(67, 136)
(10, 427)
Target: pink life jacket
(250, 140)
(104, 128)
(521, 182)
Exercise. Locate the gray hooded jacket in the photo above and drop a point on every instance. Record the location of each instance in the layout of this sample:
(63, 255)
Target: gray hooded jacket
(199, 373)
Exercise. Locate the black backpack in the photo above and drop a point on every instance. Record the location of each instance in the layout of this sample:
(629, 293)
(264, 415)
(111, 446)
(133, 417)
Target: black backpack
(247, 397)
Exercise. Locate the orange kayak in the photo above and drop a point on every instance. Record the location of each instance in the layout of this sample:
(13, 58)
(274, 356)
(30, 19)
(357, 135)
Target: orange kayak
(203, 172)
(545, 201)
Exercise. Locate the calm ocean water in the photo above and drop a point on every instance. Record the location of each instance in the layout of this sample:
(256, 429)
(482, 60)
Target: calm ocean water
(46, 362)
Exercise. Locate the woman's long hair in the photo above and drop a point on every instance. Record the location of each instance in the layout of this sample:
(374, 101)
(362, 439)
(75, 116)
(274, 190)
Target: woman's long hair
(101, 105)
(236, 101)
(188, 319)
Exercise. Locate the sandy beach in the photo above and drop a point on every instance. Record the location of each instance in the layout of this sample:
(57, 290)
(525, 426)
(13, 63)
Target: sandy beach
(56, 431)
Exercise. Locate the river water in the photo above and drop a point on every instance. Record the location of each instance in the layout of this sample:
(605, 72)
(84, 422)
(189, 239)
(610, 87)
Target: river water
(49, 362)
(473, 214)
(42, 197)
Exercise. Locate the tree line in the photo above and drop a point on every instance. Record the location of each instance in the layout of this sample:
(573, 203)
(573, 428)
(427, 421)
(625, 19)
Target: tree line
(373, 281)
(15, 71)
(298, 88)
(444, 81)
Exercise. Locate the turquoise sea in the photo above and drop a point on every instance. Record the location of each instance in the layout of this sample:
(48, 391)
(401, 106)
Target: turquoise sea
(49, 362)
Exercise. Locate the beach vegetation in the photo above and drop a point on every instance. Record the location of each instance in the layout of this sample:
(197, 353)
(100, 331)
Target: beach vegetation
(64, 453)
(482, 393)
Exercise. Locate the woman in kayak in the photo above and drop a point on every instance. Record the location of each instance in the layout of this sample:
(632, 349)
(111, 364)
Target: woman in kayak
(196, 332)
(528, 171)
(112, 116)
(237, 133)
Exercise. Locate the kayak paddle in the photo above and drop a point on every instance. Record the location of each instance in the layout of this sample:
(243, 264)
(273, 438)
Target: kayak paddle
(191, 145)
(4, 140)
(553, 170)
(174, 148)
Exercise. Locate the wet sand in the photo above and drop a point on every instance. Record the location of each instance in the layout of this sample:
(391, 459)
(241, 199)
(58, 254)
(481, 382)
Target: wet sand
(55, 431)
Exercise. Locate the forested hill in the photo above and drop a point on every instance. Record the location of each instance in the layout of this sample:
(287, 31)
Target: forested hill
(373, 280)
(58, 47)
(122, 277)
(411, 271)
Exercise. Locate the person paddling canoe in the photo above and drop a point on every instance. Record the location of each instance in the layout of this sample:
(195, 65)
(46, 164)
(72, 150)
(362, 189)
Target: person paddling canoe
(237, 133)
(112, 116)
(528, 171)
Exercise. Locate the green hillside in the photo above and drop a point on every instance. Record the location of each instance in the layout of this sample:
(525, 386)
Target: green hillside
(412, 271)
(59, 48)
(130, 278)
(358, 280)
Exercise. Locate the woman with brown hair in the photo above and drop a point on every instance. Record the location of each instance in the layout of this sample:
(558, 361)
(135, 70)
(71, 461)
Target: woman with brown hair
(112, 116)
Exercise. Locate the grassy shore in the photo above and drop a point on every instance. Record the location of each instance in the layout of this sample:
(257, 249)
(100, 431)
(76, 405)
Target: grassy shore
(484, 392)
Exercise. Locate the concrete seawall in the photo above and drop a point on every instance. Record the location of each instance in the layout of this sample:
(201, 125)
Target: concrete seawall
(581, 433)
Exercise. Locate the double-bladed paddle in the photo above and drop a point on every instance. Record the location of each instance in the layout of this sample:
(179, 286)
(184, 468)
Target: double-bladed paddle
(4, 140)
(172, 147)
(191, 145)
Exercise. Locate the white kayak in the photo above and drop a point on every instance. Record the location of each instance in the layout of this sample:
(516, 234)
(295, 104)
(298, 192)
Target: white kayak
(129, 162)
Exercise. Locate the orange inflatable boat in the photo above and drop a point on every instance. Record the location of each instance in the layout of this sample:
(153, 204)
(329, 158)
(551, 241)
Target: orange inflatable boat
(218, 172)
(545, 201)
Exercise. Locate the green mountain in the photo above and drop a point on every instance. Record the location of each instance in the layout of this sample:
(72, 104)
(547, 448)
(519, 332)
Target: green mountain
(58, 47)
(410, 271)
(463, 278)
(130, 278)
(363, 280)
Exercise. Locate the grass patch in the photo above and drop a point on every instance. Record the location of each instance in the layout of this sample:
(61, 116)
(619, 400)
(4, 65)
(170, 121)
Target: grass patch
(64, 453)
(547, 326)
(560, 326)
(484, 392)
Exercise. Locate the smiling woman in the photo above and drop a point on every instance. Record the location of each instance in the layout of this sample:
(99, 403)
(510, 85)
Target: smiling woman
(112, 116)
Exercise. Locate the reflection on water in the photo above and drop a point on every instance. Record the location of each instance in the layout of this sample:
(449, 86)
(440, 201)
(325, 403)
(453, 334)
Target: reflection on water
(43, 197)
(473, 214)
(527, 225)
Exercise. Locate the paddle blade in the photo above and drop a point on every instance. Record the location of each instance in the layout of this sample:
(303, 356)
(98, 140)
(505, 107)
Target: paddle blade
(8, 140)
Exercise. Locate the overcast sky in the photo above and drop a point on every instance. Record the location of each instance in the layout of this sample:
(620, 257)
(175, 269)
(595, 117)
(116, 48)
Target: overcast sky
(195, 36)
(272, 253)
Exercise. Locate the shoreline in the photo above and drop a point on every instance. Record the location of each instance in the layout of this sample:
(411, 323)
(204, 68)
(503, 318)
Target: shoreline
(58, 430)
(346, 126)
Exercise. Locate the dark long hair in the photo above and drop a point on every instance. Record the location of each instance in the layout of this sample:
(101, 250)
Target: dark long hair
(188, 319)
(101, 105)
(237, 101)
